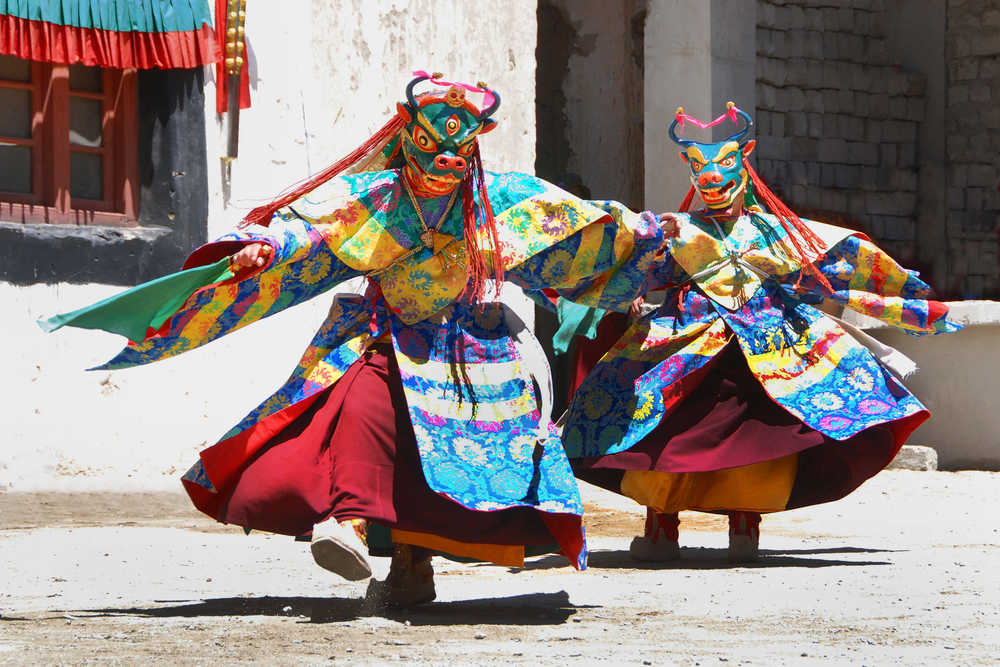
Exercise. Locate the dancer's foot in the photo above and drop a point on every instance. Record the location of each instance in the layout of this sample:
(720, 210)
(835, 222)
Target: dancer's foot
(411, 577)
(659, 542)
(660, 551)
(744, 537)
(338, 547)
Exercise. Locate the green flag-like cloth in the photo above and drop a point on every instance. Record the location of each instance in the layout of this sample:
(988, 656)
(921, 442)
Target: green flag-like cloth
(574, 320)
(133, 312)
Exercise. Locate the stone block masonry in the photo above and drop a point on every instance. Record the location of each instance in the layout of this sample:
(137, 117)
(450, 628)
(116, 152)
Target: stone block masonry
(972, 126)
(844, 121)
(841, 124)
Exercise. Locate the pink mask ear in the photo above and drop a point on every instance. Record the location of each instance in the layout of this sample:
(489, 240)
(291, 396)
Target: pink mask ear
(748, 147)
(488, 126)
(684, 157)
(403, 112)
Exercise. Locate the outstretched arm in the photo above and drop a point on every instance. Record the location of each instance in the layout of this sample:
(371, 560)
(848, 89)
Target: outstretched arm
(607, 264)
(269, 271)
(867, 280)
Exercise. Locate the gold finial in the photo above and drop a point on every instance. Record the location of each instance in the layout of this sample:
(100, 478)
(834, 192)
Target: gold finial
(680, 110)
(729, 105)
(436, 75)
(482, 85)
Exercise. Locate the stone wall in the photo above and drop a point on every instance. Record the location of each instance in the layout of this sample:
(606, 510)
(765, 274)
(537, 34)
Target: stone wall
(844, 88)
(837, 123)
(972, 126)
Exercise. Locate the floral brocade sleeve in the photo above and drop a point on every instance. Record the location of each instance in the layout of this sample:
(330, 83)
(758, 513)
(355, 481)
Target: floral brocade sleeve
(301, 266)
(604, 265)
(869, 281)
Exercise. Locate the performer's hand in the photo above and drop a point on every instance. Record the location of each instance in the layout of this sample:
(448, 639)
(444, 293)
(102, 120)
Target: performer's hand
(670, 224)
(635, 310)
(253, 255)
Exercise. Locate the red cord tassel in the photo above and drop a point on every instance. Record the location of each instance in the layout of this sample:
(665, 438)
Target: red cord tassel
(686, 204)
(808, 247)
(261, 215)
(477, 268)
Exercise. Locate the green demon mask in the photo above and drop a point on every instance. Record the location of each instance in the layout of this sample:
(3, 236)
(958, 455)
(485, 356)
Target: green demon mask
(441, 134)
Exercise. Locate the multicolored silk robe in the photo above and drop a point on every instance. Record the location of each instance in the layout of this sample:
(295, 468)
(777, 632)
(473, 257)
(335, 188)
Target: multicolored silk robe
(481, 439)
(736, 285)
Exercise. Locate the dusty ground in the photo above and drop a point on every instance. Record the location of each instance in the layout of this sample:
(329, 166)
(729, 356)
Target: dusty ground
(905, 571)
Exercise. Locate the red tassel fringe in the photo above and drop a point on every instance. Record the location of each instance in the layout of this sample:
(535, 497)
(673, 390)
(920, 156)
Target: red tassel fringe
(261, 215)
(808, 247)
(686, 204)
(477, 267)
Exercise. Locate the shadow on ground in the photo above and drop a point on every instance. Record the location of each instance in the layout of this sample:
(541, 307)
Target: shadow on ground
(699, 558)
(534, 609)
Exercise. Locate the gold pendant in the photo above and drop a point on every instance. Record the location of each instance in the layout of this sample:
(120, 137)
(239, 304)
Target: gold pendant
(427, 238)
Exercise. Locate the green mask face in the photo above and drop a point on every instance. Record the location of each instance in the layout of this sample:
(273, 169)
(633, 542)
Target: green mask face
(438, 143)
(441, 136)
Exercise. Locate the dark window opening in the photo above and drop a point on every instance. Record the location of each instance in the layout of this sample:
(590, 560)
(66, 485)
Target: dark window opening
(67, 144)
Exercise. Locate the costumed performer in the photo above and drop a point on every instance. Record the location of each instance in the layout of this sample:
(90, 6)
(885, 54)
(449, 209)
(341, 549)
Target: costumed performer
(412, 414)
(738, 395)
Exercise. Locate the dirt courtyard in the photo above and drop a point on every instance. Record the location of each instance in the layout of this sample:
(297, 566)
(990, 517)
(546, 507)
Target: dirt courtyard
(904, 571)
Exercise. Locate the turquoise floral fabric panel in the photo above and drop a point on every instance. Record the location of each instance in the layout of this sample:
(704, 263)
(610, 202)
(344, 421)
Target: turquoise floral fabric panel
(481, 438)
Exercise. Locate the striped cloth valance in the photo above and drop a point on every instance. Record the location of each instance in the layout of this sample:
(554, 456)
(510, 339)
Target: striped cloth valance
(110, 33)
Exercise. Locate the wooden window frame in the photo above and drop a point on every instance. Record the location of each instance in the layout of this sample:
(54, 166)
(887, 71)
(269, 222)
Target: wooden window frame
(50, 201)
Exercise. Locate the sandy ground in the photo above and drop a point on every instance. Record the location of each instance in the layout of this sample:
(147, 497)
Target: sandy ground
(904, 571)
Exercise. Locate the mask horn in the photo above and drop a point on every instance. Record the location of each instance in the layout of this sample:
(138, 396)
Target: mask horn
(409, 91)
(486, 113)
(739, 135)
(673, 126)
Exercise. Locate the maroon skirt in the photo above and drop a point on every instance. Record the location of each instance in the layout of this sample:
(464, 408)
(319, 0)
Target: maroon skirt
(728, 420)
(353, 455)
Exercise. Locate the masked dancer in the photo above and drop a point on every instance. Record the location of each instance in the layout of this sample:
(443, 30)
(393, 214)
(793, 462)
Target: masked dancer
(411, 422)
(739, 395)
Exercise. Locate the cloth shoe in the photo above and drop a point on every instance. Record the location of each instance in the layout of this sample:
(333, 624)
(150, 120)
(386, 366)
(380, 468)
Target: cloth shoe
(659, 541)
(338, 548)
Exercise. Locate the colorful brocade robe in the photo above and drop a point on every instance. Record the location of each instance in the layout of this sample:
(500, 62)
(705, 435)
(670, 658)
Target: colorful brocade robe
(737, 284)
(481, 438)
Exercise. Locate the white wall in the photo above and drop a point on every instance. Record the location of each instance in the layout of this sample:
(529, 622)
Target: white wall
(324, 77)
(957, 381)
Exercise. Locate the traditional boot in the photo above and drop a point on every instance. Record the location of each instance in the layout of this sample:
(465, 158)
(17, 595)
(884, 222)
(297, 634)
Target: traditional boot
(341, 548)
(411, 576)
(659, 542)
(744, 536)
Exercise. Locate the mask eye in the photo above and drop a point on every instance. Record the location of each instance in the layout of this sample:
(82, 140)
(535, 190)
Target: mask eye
(466, 149)
(697, 166)
(423, 140)
(728, 161)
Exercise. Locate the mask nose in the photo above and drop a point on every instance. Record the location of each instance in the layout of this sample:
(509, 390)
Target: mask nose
(452, 162)
(708, 179)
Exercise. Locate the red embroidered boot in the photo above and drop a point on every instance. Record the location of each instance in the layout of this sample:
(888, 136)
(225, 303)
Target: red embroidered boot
(744, 536)
(659, 541)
